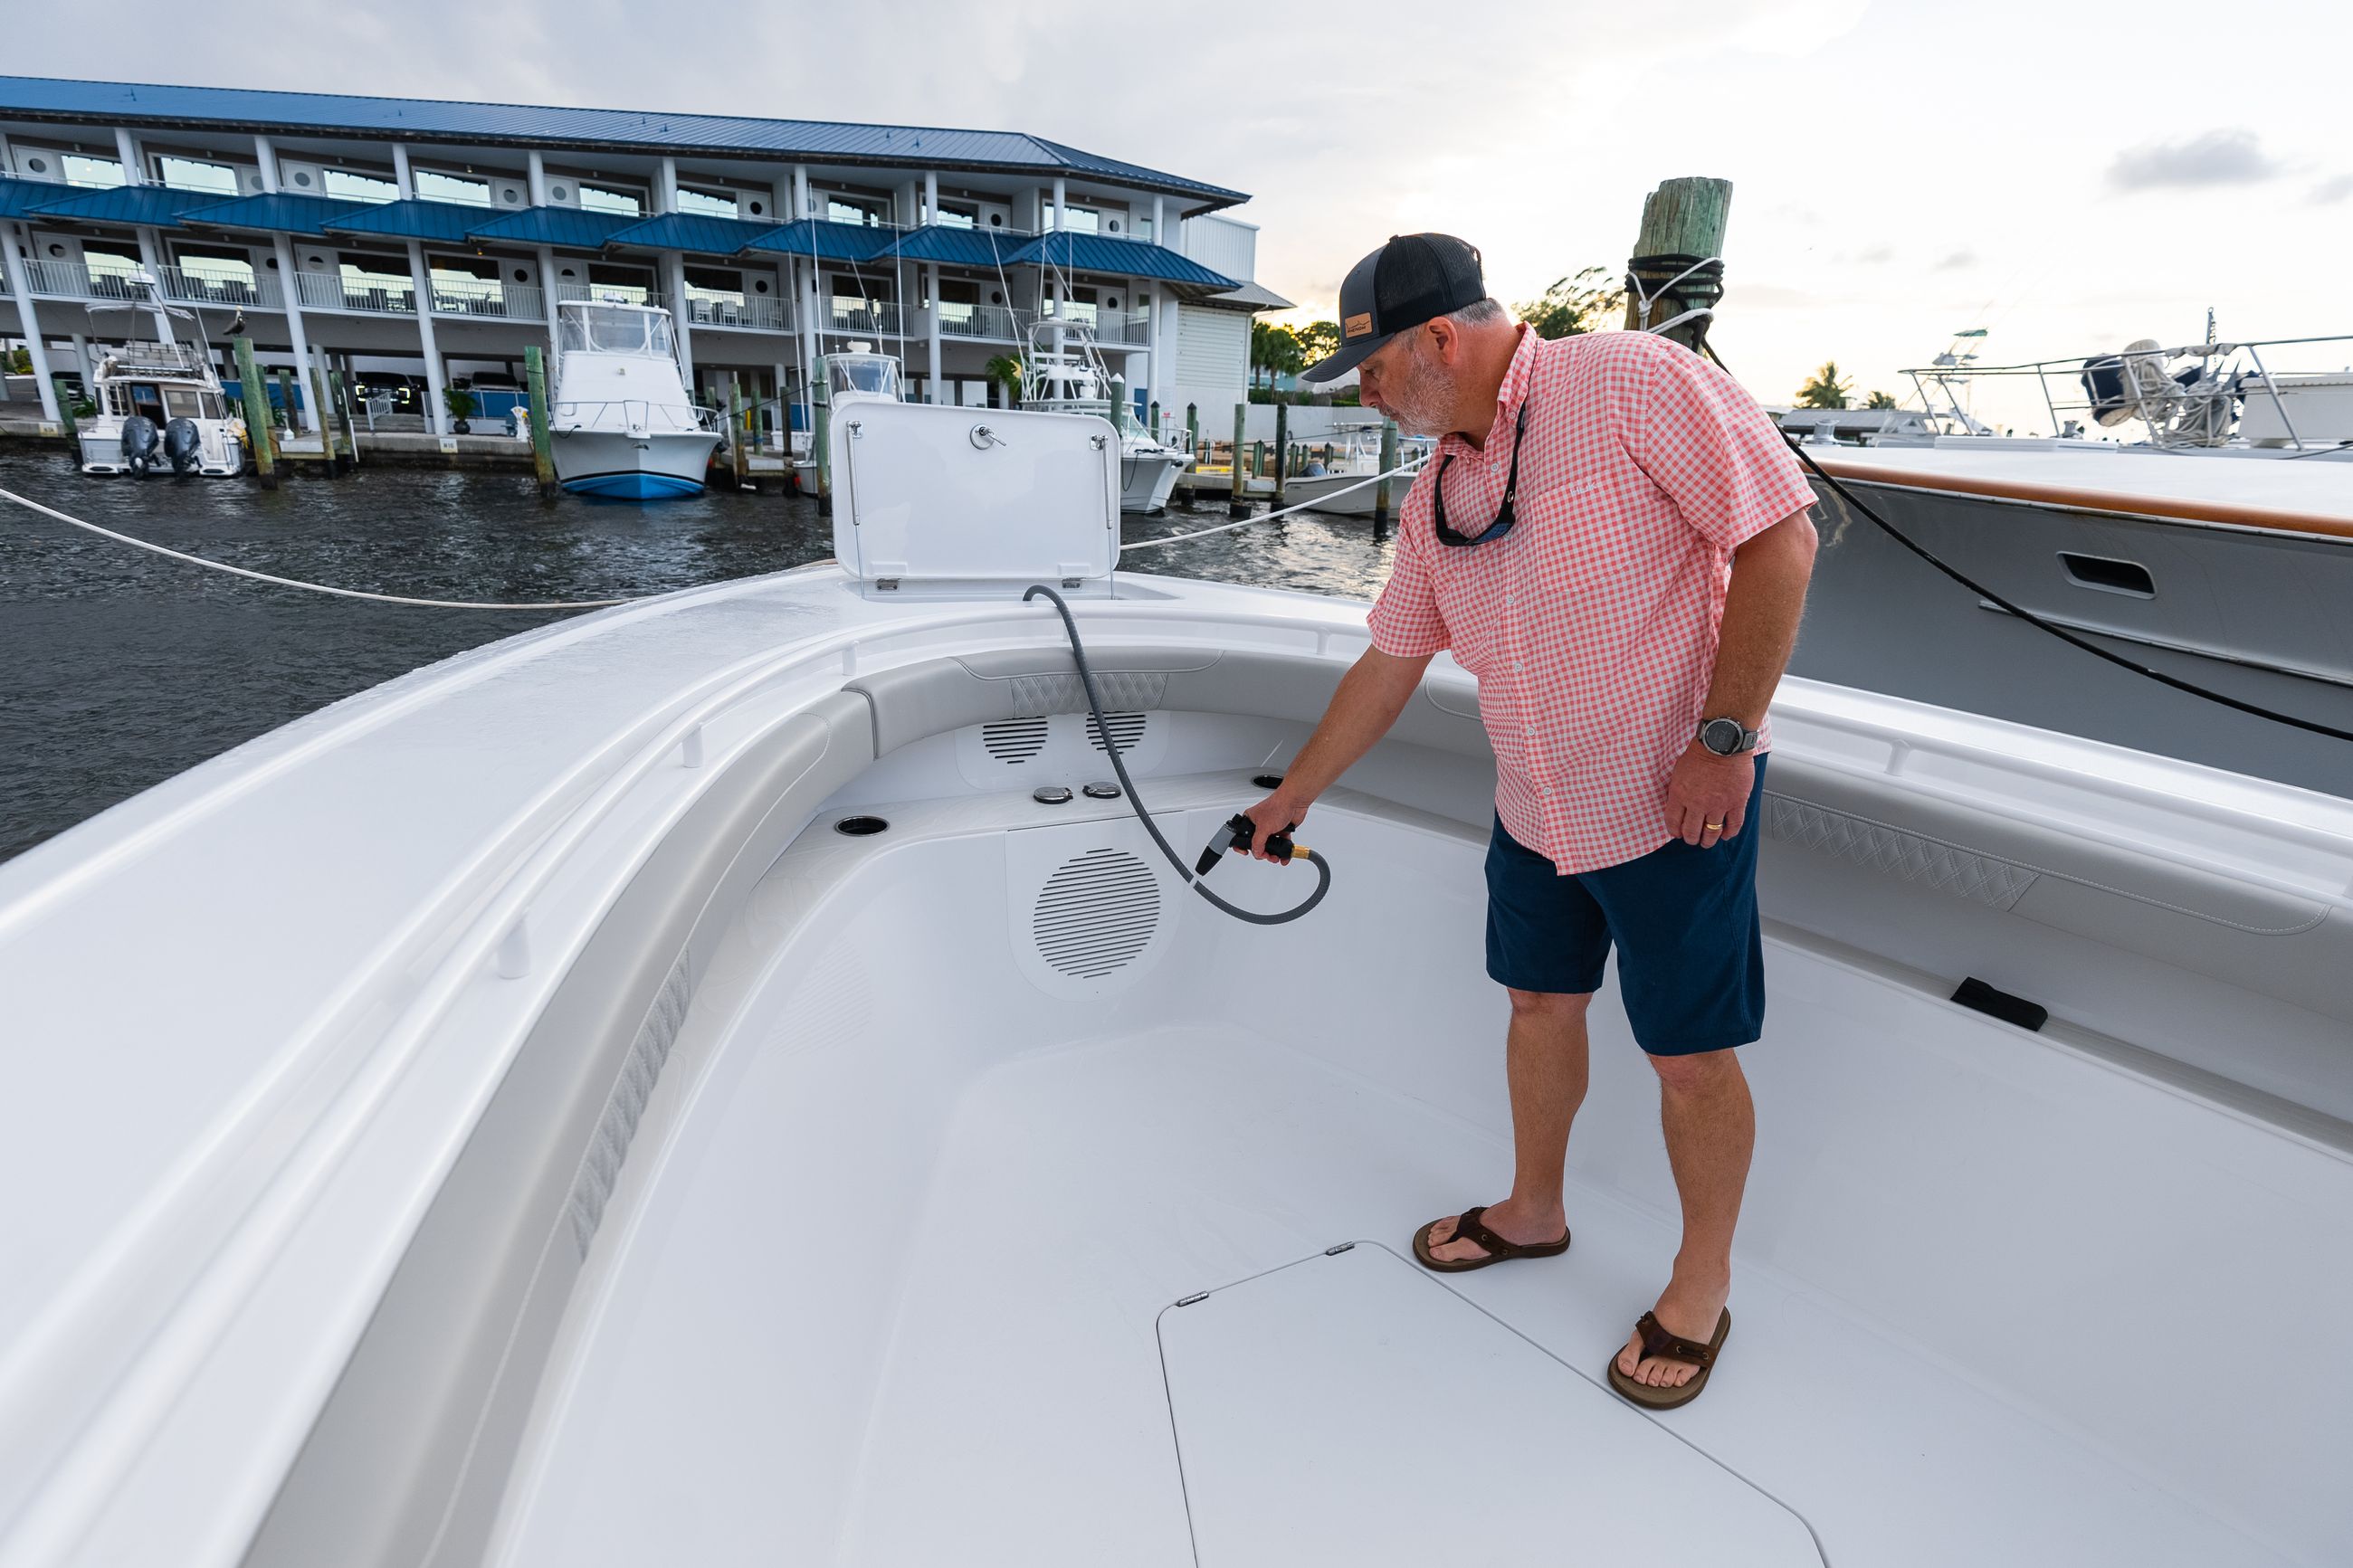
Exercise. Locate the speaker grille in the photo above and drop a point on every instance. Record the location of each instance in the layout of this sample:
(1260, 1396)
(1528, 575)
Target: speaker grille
(1096, 913)
(1126, 729)
(1014, 740)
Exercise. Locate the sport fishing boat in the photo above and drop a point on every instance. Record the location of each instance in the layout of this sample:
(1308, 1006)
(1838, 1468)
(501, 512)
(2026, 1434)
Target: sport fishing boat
(1063, 372)
(622, 424)
(735, 1077)
(1333, 482)
(2217, 547)
(159, 404)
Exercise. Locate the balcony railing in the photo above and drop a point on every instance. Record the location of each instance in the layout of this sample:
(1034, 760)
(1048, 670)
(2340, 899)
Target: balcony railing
(497, 301)
(73, 280)
(749, 314)
(879, 318)
(992, 321)
(375, 296)
(627, 293)
(1134, 327)
(191, 283)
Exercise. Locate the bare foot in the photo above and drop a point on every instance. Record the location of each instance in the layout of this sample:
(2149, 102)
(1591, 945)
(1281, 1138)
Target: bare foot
(1520, 1226)
(1687, 1308)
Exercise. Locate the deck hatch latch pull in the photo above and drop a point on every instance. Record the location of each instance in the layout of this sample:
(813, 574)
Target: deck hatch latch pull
(1196, 1295)
(1335, 1251)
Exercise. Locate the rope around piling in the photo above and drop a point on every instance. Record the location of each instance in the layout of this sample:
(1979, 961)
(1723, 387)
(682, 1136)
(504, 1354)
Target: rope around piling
(296, 583)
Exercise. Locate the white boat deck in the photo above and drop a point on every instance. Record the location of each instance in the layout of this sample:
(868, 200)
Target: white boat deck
(2134, 478)
(1913, 1376)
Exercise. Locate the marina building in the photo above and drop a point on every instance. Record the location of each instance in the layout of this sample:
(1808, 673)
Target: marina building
(419, 244)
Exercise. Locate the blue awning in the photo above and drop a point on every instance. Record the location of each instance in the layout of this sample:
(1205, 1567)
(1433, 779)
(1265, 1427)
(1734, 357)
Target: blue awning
(574, 229)
(828, 241)
(702, 233)
(1122, 258)
(447, 222)
(159, 205)
(279, 211)
(960, 247)
(22, 198)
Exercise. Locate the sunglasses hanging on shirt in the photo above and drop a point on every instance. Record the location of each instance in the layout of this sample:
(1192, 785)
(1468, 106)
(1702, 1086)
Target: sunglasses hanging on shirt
(1505, 516)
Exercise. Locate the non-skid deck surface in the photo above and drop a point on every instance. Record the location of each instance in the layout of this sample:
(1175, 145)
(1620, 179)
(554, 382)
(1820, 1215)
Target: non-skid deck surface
(1024, 1420)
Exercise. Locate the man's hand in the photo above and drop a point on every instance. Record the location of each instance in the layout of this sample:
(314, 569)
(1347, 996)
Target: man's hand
(1707, 795)
(1275, 814)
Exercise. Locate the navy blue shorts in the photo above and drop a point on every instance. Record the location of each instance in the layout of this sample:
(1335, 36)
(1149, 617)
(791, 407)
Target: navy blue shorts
(1691, 958)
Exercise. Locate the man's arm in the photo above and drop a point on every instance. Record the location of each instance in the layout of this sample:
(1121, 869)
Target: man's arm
(1371, 695)
(1762, 606)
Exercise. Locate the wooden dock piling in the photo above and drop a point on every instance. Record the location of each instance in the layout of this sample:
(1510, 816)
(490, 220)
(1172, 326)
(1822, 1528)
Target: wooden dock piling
(1683, 219)
(317, 392)
(1381, 492)
(343, 407)
(1281, 449)
(1238, 501)
(257, 414)
(542, 441)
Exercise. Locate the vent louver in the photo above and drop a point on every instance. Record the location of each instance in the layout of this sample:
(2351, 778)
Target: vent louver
(1014, 740)
(1096, 913)
(1126, 729)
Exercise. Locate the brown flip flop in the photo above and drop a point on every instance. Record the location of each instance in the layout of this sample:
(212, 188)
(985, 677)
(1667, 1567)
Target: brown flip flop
(1468, 1228)
(1659, 1344)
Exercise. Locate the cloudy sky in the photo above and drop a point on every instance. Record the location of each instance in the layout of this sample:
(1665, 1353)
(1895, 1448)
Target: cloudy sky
(2069, 177)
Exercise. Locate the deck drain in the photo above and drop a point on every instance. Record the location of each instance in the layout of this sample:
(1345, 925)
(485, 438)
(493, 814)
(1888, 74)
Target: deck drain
(861, 827)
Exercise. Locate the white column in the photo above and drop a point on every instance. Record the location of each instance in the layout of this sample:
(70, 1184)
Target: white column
(1062, 266)
(266, 157)
(437, 411)
(931, 337)
(11, 236)
(537, 175)
(674, 278)
(135, 173)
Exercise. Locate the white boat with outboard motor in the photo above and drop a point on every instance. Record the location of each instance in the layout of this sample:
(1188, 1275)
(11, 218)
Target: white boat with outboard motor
(158, 401)
(2217, 549)
(1063, 372)
(1333, 481)
(622, 424)
(732, 1079)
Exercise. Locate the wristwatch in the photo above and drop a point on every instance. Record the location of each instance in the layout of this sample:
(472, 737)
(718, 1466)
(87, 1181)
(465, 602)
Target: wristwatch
(1727, 737)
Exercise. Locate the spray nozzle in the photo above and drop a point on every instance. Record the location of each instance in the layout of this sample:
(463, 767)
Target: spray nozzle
(1239, 832)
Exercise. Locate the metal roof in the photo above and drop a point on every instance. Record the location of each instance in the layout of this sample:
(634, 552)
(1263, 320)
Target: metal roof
(961, 247)
(704, 233)
(157, 205)
(279, 211)
(414, 218)
(827, 240)
(570, 227)
(415, 120)
(20, 197)
(1122, 258)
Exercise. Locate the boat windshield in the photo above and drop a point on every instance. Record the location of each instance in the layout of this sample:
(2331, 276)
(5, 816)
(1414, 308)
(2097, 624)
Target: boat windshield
(874, 375)
(615, 330)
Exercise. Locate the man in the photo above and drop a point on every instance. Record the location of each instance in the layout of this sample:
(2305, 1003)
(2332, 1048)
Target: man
(1613, 539)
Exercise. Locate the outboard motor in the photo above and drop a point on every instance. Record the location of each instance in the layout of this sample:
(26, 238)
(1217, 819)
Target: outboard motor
(140, 446)
(183, 446)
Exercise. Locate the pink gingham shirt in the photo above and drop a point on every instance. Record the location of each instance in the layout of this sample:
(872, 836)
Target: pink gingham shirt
(1592, 625)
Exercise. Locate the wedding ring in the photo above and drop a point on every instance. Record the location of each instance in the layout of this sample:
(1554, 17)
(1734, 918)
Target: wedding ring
(1712, 827)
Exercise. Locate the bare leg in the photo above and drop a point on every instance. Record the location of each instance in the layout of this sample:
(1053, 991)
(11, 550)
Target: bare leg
(1711, 1128)
(1544, 1061)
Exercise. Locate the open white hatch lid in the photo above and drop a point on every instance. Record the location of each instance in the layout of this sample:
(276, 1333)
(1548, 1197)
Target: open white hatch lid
(929, 494)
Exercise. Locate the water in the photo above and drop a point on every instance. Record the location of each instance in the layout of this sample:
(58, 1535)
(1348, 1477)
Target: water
(120, 668)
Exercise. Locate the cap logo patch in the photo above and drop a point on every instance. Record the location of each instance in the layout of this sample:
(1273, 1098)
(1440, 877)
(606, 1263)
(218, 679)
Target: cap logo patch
(1357, 326)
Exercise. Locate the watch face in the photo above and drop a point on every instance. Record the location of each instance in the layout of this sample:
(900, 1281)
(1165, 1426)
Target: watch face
(1721, 736)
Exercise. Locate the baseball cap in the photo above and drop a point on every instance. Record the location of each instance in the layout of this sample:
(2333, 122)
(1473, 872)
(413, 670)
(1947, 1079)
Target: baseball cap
(1415, 278)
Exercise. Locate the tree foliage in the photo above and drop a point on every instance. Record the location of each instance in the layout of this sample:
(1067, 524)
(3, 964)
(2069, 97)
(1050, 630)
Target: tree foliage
(1319, 340)
(1826, 390)
(1276, 350)
(1879, 400)
(1004, 371)
(1585, 303)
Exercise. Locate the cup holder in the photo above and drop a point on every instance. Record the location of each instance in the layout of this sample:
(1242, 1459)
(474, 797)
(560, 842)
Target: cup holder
(861, 827)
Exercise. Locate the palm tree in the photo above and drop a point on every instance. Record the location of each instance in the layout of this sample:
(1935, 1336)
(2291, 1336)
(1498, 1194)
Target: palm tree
(1274, 349)
(1004, 371)
(1879, 400)
(1826, 390)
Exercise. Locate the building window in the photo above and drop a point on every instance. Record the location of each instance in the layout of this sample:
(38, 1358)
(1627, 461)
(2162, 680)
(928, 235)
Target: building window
(98, 171)
(1144, 229)
(847, 209)
(1081, 220)
(705, 205)
(433, 186)
(956, 215)
(375, 282)
(191, 174)
(605, 199)
(353, 186)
